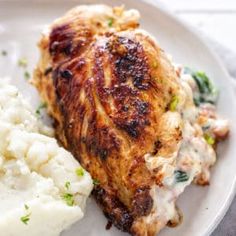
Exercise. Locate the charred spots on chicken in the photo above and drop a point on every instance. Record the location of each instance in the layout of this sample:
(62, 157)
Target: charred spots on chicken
(103, 153)
(115, 211)
(131, 113)
(125, 108)
(123, 221)
(130, 78)
(142, 202)
(60, 80)
(156, 147)
(67, 79)
(130, 62)
(131, 127)
(66, 74)
(65, 41)
(48, 71)
(93, 147)
(55, 75)
(101, 142)
(61, 40)
(108, 225)
(133, 118)
(98, 72)
(123, 92)
(142, 107)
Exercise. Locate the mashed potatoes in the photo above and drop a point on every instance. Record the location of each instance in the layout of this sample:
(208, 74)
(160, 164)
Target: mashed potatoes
(43, 188)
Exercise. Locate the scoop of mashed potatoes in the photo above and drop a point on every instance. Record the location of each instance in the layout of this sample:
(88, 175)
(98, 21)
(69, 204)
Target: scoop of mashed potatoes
(43, 188)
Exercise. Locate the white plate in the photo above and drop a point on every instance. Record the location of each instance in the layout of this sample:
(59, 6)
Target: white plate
(20, 25)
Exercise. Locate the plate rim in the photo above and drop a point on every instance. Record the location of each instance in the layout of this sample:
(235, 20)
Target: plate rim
(161, 7)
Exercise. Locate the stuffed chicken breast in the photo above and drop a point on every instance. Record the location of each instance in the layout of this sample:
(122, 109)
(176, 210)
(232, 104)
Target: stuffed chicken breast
(126, 113)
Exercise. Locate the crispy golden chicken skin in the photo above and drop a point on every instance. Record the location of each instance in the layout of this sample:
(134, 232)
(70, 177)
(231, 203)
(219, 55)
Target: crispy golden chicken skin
(108, 87)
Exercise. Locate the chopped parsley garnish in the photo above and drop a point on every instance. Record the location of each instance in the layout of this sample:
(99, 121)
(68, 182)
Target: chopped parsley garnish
(69, 199)
(181, 176)
(96, 182)
(79, 171)
(22, 62)
(27, 75)
(207, 92)
(110, 22)
(26, 207)
(209, 139)
(40, 107)
(174, 103)
(25, 219)
(4, 52)
(67, 185)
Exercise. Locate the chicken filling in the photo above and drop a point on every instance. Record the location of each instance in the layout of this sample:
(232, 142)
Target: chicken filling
(201, 129)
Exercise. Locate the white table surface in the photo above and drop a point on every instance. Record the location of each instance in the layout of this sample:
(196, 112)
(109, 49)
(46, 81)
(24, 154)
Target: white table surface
(215, 19)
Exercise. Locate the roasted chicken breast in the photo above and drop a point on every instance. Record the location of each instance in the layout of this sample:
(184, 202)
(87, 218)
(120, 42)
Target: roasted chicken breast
(110, 90)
